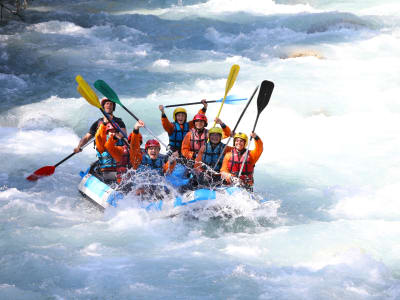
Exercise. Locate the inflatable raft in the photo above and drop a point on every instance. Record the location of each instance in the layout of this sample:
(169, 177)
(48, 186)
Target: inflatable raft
(103, 195)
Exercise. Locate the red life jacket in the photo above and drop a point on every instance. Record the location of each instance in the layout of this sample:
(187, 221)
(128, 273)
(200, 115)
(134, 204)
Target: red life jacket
(234, 164)
(124, 164)
(197, 140)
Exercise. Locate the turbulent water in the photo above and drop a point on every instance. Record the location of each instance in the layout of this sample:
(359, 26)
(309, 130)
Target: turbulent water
(330, 167)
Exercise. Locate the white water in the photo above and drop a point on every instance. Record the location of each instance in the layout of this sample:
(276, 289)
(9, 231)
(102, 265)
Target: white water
(330, 165)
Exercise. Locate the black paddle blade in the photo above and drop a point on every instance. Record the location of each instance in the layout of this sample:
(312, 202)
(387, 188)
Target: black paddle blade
(264, 95)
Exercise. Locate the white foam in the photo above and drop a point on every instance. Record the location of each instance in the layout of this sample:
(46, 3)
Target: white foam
(220, 9)
(382, 203)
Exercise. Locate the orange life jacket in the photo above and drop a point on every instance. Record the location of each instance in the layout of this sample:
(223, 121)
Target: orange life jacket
(235, 162)
(197, 140)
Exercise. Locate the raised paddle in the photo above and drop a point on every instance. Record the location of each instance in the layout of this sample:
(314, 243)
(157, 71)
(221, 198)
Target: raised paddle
(49, 170)
(228, 100)
(86, 92)
(263, 98)
(229, 83)
(234, 129)
(108, 92)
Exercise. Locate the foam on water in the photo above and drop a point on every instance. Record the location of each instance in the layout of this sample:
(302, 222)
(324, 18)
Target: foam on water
(329, 169)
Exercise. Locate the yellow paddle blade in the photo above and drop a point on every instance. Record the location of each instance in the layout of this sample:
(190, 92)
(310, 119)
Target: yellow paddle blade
(88, 91)
(88, 99)
(229, 83)
(231, 78)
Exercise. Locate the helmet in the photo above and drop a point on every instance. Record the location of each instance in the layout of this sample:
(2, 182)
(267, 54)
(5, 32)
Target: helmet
(179, 110)
(215, 130)
(200, 117)
(104, 100)
(152, 143)
(242, 136)
(109, 127)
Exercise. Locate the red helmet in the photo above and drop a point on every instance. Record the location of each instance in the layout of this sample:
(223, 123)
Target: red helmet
(104, 100)
(152, 143)
(109, 127)
(200, 117)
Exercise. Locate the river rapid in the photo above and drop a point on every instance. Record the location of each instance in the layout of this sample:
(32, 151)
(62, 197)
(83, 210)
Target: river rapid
(330, 167)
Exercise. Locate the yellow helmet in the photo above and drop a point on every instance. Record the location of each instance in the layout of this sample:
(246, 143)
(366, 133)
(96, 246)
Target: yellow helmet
(215, 130)
(179, 110)
(242, 136)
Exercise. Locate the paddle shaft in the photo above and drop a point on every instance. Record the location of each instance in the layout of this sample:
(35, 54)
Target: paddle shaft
(248, 147)
(115, 125)
(234, 129)
(137, 119)
(195, 103)
(68, 157)
(49, 170)
(72, 154)
(220, 108)
(262, 101)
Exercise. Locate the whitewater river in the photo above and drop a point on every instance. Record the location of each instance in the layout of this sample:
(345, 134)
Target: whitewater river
(330, 167)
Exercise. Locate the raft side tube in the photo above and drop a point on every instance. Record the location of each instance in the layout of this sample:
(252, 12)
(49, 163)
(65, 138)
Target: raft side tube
(99, 192)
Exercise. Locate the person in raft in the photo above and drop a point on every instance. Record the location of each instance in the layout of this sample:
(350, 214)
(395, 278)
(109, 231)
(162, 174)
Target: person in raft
(106, 167)
(109, 108)
(150, 162)
(180, 127)
(208, 155)
(233, 160)
(109, 145)
(197, 136)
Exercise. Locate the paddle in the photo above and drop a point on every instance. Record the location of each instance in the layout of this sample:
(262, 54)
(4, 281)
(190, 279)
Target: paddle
(49, 170)
(234, 129)
(263, 98)
(108, 92)
(229, 83)
(86, 91)
(227, 101)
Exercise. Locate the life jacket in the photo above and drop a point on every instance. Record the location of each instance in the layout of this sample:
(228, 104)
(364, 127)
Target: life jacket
(197, 140)
(152, 164)
(234, 164)
(106, 162)
(211, 155)
(124, 164)
(177, 136)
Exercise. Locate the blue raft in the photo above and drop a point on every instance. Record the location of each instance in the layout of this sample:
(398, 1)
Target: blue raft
(105, 196)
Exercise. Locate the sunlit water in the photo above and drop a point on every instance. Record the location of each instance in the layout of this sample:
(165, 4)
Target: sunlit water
(330, 166)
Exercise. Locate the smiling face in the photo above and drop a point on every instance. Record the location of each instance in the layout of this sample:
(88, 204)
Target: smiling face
(109, 107)
(153, 152)
(199, 124)
(215, 138)
(180, 117)
(239, 144)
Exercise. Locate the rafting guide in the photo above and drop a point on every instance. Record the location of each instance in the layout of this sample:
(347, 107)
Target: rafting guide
(109, 108)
